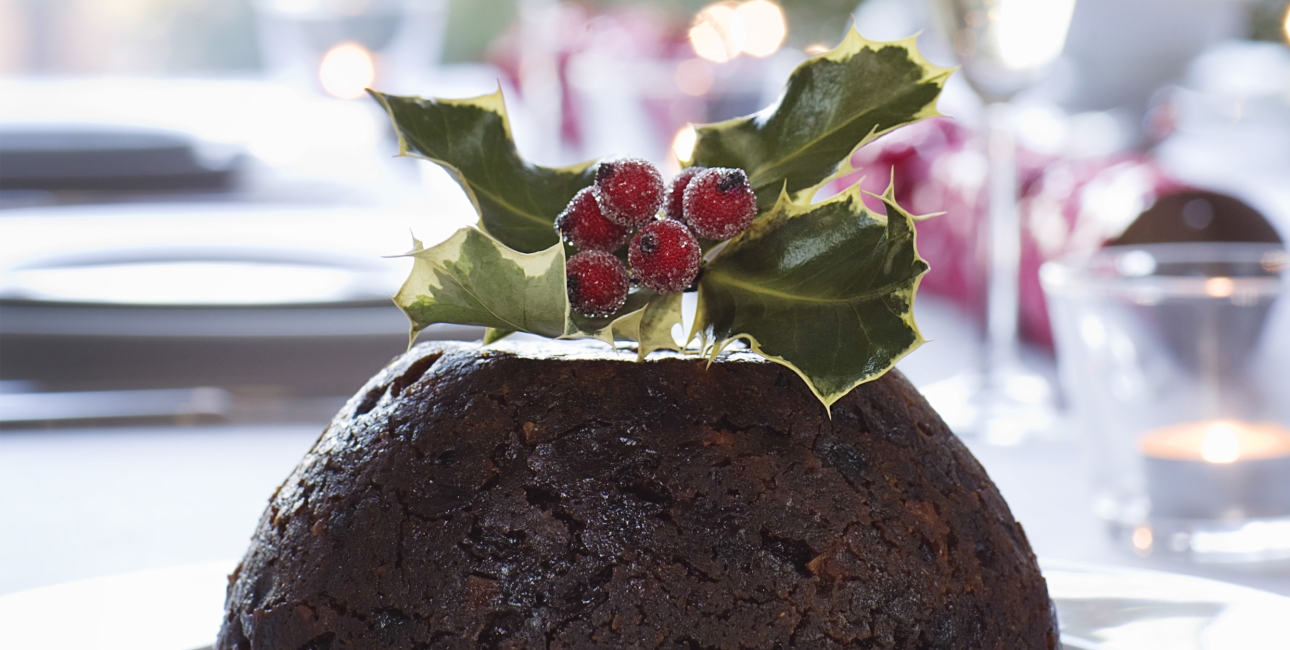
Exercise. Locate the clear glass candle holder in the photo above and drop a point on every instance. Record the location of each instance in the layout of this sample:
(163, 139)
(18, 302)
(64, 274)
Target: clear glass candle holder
(1175, 363)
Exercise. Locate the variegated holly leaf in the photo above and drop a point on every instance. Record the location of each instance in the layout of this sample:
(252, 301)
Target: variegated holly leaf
(599, 327)
(471, 138)
(473, 279)
(651, 326)
(646, 318)
(826, 290)
(493, 335)
(833, 103)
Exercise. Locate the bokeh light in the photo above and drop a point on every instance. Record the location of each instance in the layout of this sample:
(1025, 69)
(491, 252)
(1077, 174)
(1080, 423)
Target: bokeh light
(683, 143)
(1219, 287)
(1285, 25)
(1032, 33)
(764, 27)
(347, 70)
(1143, 539)
(724, 30)
(718, 33)
(694, 77)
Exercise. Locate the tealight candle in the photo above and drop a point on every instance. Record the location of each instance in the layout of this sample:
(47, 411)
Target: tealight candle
(1218, 469)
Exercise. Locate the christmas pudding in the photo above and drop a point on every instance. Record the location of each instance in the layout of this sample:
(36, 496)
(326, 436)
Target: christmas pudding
(768, 482)
(526, 496)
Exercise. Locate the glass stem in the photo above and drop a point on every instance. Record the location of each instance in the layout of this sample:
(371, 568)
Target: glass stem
(1004, 246)
(540, 76)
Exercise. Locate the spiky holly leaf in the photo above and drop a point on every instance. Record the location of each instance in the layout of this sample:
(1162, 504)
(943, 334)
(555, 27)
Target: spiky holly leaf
(646, 318)
(826, 290)
(473, 279)
(833, 103)
(493, 335)
(652, 329)
(651, 326)
(471, 138)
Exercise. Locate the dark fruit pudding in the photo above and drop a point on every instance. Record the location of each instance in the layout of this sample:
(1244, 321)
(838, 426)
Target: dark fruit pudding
(559, 496)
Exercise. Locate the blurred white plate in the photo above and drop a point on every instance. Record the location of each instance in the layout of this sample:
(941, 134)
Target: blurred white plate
(203, 276)
(232, 255)
(217, 269)
(1100, 608)
(1109, 608)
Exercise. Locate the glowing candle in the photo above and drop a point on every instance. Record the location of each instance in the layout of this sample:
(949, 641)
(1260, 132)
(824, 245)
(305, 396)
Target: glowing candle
(1219, 469)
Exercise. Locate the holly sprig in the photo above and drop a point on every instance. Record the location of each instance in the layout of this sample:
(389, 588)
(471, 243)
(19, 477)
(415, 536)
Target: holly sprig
(825, 289)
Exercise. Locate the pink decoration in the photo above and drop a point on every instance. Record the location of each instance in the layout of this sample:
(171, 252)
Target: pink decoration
(1067, 205)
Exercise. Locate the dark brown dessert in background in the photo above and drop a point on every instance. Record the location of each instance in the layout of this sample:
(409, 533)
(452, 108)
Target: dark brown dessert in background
(1198, 216)
(564, 496)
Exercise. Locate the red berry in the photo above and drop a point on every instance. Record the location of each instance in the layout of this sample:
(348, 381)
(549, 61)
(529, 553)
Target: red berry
(665, 256)
(597, 283)
(719, 203)
(629, 190)
(582, 225)
(676, 193)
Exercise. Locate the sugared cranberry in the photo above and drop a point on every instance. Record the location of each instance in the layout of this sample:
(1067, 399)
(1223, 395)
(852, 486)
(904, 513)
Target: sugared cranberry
(664, 256)
(597, 283)
(719, 203)
(629, 190)
(676, 192)
(582, 225)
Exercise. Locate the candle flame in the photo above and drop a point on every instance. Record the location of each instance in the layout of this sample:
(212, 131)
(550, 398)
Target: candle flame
(1218, 441)
(1220, 444)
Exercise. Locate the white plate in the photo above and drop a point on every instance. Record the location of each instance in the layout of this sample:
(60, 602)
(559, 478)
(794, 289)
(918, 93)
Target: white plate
(1100, 608)
(1109, 608)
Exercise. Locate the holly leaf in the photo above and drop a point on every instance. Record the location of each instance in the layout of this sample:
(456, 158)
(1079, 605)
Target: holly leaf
(650, 326)
(471, 138)
(601, 327)
(826, 290)
(646, 318)
(493, 335)
(653, 329)
(833, 104)
(473, 279)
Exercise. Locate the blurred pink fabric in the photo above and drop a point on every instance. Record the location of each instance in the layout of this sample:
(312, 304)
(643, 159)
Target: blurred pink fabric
(619, 33)
(1067, 206)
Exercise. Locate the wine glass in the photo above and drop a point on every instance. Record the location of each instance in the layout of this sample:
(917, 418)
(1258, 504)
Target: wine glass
(1004, 46)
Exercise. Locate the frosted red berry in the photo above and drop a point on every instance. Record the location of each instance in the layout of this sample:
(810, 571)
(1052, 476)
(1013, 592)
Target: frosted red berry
(676, 193)
(597, 283)
(719, 203)
(586, 228)
(664, 256)
(630, 191)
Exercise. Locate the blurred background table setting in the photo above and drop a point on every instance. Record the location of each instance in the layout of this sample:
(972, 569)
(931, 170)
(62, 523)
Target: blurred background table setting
(198, 202)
